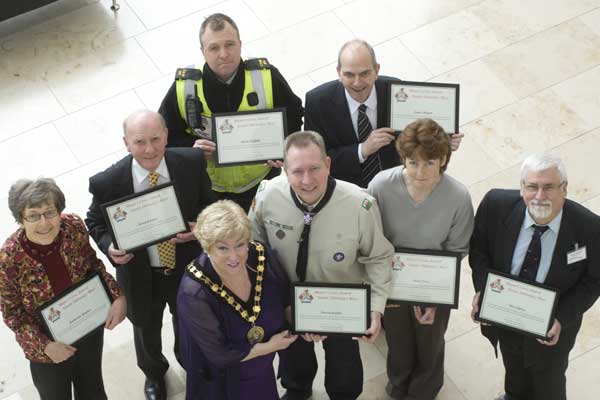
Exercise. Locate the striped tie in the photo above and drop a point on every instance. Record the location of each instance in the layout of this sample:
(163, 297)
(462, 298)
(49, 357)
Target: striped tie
(371, 166)
(166, 250)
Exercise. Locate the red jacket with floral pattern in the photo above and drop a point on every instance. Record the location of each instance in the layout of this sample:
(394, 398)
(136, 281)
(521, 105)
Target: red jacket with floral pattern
(24, 285)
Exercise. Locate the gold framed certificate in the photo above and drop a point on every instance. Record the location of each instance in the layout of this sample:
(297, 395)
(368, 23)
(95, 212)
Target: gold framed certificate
(516, 304)
(144, 218)
(331, 309)
(78, 311)
(425, 277)
(249, 137)
(409, 101)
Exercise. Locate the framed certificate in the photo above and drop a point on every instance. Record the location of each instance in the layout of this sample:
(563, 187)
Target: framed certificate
(425, 277)
(409, 101)
(78, 311)
(144, 218)
(249, 137)
(516, 304)
(331, 309)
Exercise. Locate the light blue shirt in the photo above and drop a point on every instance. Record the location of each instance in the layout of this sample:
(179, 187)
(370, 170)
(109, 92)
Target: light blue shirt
(548, 241)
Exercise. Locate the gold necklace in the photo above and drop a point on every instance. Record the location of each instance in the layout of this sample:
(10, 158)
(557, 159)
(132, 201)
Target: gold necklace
(255, 333)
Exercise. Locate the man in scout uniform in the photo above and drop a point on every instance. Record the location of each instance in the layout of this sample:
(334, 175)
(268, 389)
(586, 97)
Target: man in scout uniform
(226, 84)
(324, 230)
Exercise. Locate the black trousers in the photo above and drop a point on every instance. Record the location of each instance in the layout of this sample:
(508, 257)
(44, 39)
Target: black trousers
(147, 338)
(83, 371)
(531, 381)
(343, 367)
(415, 359)
(244, 199)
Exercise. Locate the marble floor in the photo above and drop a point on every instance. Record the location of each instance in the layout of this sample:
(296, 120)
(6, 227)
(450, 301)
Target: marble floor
(529, 74)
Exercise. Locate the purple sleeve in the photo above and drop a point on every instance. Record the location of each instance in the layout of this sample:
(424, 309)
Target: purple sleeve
(198, 315)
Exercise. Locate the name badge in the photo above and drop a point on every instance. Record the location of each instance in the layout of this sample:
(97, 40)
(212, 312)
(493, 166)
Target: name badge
(576, 255)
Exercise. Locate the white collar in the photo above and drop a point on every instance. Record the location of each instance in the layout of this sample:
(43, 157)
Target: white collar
(140, 173)
(371, 101)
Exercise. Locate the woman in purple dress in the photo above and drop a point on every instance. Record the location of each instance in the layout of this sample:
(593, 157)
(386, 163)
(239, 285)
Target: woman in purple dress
(231, 305)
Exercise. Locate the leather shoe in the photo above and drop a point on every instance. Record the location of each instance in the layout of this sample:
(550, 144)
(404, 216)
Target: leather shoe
(296, 395)
(155, 390)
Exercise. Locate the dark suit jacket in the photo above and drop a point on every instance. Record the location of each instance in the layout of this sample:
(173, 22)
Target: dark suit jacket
(497, 225)
(327, 113)
(187, 170)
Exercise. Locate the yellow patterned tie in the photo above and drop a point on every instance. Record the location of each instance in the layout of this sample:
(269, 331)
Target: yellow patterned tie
(166, 250)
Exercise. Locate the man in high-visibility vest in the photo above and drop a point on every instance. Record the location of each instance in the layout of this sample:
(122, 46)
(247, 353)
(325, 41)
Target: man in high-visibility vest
(226, 83)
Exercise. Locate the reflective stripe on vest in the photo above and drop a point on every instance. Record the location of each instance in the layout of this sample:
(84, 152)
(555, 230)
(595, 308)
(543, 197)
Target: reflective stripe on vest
(236, 179)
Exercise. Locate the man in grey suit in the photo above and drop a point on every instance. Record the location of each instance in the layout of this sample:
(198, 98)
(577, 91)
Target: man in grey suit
(538, 235)
(351, 115)
(150, 277)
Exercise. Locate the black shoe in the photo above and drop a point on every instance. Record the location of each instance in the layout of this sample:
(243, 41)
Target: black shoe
(296, 395)
(155, 390)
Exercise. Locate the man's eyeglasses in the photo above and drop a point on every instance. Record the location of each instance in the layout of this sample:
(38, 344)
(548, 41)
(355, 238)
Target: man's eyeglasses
(549, 188)
(36, 217)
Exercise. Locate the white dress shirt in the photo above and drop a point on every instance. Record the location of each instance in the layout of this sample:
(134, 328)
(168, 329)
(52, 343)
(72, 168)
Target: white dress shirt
(141, 183)
(371, 112)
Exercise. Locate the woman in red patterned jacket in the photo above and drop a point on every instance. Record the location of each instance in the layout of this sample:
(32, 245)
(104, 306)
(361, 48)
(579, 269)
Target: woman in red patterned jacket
(48, 254)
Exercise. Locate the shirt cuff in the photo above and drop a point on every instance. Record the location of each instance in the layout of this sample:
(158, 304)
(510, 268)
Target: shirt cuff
(360, 157)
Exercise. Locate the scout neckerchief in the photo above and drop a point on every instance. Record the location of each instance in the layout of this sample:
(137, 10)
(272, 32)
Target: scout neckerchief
(255, 333)
(302, 258)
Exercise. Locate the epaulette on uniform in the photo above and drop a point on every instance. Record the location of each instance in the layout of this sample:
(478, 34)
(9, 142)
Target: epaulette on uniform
(257, 63)
(188, 73)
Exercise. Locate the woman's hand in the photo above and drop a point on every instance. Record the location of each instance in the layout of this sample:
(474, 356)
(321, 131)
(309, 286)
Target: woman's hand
(282, 340)
(117, 313)
(59, 352)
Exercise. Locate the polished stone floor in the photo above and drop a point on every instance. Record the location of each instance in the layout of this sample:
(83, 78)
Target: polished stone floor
(529, 74)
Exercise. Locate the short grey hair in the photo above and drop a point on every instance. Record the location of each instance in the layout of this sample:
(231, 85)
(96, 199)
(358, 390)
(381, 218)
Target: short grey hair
(27, 193)
(542, 162)
(357, 43)
(222, 220)
(216, 22)
(143, 113)
(303, 139)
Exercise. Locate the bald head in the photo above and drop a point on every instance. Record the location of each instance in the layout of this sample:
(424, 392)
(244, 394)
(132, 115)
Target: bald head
(144, 117)
(357, 69)
(145, 137)
(356, 48)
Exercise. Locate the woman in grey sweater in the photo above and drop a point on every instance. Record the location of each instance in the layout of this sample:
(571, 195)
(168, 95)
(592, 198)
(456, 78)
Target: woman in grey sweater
(421, 208)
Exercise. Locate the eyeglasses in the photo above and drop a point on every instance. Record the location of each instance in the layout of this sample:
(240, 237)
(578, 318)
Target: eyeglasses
(548, 189)
(36, 217)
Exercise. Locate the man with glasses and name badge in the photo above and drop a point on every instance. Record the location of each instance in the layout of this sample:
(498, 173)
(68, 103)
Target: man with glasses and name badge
(538, 235)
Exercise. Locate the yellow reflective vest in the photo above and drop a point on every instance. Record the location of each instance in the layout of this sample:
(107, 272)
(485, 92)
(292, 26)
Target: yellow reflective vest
(235, 179)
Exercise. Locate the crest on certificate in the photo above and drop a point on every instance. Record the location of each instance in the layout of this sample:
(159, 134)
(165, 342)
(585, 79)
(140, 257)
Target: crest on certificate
(226, 127)
(397, 263)
(53, 314)
(119, 215)
(401, 96)
(306, 297)
(497, 286)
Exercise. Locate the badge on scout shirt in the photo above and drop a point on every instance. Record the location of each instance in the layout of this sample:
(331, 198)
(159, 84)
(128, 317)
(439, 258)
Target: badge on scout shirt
(280, 234)
(339, 256)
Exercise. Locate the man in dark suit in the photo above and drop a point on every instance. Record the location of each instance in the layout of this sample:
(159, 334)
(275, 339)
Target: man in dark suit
(541, 236)
(150, 276)
(351, 115)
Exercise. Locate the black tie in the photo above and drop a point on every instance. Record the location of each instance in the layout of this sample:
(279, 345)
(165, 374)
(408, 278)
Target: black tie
(302, 257)
(531, 263)
(371, 166)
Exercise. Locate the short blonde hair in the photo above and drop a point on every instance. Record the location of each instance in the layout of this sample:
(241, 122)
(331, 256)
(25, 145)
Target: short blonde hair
(223, 220)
